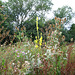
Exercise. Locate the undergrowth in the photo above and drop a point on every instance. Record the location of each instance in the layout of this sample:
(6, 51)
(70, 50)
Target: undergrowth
(39, 57)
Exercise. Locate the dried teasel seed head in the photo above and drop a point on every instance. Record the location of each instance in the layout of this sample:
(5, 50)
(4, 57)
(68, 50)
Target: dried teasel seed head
(60, 51)
(56, 24)
(71, 39)
(52, 49)
(24, 28)
(59, 27)
(21, 29)
(60, 19)
(53, 26)
(8, 32)
(51, 65)
(64, 19)
(52, 55)
(59, 54)
(16, 27)
(63, 38)
(50, 25)
(49, 34)
(55, 18)
(59, 23)
(22, 34)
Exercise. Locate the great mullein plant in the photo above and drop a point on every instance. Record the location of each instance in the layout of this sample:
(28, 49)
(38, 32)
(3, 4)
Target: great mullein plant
(38, 41)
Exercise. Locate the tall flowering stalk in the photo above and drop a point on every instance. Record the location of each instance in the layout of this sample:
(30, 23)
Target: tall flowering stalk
(38, 40)
(37, 27)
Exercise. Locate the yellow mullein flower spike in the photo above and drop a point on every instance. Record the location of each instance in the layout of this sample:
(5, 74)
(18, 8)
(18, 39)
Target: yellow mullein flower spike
(40, 40)
(36, 46)
(36, 18)
(36, 41)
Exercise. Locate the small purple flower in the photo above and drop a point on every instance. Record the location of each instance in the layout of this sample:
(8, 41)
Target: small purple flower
(16, 50)
(23, 52)
(18, 53)
(18, 56)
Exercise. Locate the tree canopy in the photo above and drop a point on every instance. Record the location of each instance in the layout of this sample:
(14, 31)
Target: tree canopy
(21, 10)
(64, 12)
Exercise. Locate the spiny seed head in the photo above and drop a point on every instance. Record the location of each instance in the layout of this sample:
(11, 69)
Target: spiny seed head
(55, 18)
(24, 28)
(21, 29)
(59, 27)
(59, 23)
(52, 49)
(59, 54)
(56, 24)
(16, 27)
(64, 19)
(60, 51)
(60, 20)
(53, 26)
(63, 38)
(22, 34)
(50, 25)
(71, 39)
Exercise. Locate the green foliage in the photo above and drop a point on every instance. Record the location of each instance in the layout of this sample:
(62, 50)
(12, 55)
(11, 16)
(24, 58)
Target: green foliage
(72, 32)
(5, 29)
(0, 3)
(23, 8)
(24, 12)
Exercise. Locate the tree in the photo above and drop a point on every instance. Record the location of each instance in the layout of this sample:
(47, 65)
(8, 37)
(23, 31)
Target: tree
(21, 10)
(5, 28)
(64, 12)
(72, 31)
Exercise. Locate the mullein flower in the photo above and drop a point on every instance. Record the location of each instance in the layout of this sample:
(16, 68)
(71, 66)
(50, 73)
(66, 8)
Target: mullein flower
(37, 23)
(36, 46)
(40, 40)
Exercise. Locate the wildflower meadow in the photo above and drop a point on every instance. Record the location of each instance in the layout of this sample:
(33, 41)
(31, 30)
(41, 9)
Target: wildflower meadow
(39, 57)
(32, 45)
